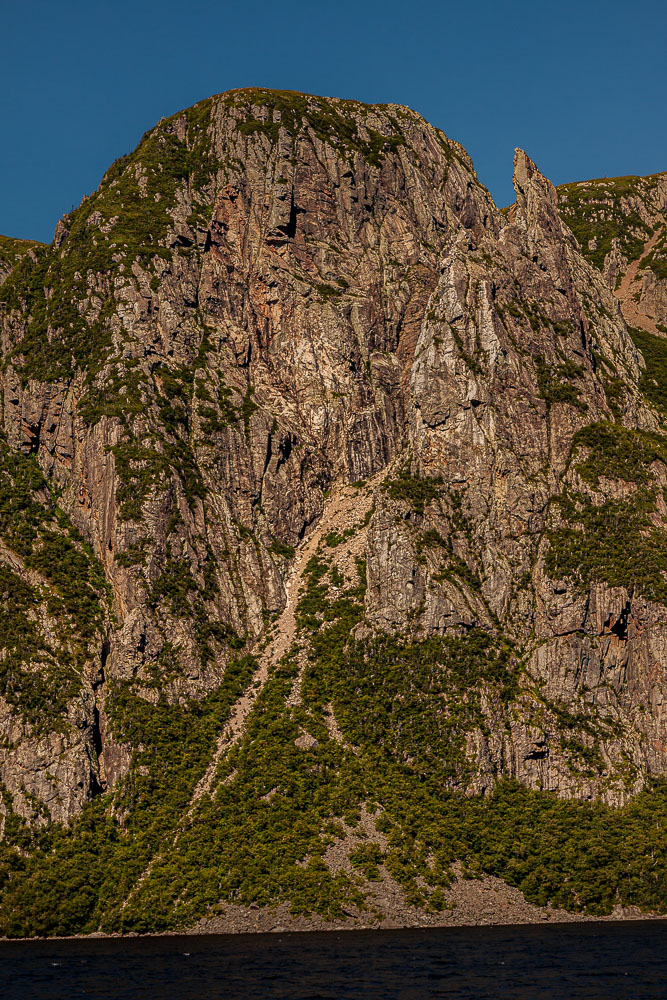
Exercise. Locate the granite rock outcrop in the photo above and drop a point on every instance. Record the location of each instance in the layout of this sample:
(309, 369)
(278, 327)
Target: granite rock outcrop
(274, 299)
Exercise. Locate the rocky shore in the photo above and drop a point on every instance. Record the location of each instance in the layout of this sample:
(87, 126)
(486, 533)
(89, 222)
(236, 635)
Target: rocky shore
(471, 903)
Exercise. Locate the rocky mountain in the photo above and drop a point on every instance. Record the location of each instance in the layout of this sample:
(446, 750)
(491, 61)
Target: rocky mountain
(332, 530)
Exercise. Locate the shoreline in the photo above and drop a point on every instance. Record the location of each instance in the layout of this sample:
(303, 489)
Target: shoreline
(482, 902)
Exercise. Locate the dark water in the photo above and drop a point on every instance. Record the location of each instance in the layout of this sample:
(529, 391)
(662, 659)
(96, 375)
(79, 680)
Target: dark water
(600, 961)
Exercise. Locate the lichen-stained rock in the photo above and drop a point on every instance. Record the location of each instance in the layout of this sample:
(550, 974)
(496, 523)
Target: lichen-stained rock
(501, 386)
(273, 299)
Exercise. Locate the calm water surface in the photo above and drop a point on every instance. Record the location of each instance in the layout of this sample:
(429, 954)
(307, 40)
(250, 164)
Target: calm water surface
(600, 961)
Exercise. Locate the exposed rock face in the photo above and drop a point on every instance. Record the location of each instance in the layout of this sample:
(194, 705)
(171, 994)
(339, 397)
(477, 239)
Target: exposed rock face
(275, 297)
(480, 423)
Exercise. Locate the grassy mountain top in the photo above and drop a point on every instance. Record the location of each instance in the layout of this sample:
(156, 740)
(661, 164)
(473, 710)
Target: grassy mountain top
(12, 250)
(600, 210)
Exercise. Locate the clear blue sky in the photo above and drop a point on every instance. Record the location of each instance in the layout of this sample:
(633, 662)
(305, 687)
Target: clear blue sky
(581, 86)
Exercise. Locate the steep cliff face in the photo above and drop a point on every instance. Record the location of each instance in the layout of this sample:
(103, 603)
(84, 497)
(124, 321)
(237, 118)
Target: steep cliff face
(326, 487)
(194, 398)
(514, 394)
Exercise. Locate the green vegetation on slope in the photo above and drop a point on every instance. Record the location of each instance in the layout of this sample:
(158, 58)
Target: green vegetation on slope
(57, 881)
(415, 698)
(280, 804)
(127, 218)
(554, 383)
(416, 490)
(39, 673)
(653, 382)
(612, 540)
(594, 213)
(12, 251)
(401, 707)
